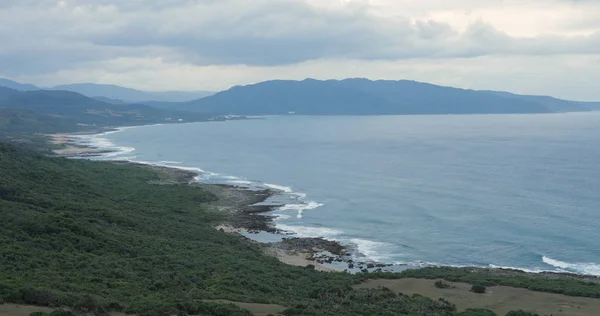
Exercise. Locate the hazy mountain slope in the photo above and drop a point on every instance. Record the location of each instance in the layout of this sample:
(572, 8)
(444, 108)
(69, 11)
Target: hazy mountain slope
(554, 104)
(425, 98)
(130, 95)
(283, 96)
(16, 85)
(43, 110)
(355, 97)
(6, 93)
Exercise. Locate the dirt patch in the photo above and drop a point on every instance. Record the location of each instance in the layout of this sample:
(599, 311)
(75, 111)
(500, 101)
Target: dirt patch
(25, 310)
(255, 308)
(500, 299)
(21, 310)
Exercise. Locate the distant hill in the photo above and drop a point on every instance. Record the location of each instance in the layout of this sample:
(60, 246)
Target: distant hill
(357, 97)
(6, 93)
(93, 90)
(46, 111)
(554, 104)
(17, 86)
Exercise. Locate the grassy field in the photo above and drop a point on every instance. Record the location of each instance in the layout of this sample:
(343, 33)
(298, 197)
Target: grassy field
(500, 299)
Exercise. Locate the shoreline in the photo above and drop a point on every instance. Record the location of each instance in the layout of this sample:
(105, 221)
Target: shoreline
(250, 220)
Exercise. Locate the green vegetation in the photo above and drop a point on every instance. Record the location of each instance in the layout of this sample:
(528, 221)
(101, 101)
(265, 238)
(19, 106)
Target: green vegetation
(520, 313)
(441, 284)
(477, 312)
(490, 277)
(480, 289)
(54, 313)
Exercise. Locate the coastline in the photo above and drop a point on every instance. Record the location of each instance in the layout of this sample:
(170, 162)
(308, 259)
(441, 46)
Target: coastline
(249, 218)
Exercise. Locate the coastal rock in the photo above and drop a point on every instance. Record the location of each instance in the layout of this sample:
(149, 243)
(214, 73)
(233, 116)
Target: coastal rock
(311, 245)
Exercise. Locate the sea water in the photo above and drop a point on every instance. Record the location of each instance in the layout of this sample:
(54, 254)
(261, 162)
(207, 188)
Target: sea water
(518, 191)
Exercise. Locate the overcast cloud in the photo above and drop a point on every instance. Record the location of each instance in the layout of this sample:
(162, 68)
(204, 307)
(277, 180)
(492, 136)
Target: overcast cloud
(542, 47)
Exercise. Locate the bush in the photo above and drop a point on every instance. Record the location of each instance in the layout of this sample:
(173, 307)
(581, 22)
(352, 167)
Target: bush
(478, 289)
(520, 313)
(477, 312)
(441, 284)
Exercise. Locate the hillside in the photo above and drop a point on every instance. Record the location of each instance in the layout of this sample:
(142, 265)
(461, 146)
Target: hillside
(357, 97)
(93, 90)
(25, 115)
(79, 110)
(16, 85)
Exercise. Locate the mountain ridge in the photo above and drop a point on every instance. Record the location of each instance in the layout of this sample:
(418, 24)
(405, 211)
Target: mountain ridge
(356, 96)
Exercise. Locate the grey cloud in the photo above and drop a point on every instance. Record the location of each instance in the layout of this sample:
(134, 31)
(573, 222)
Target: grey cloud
(41, 36)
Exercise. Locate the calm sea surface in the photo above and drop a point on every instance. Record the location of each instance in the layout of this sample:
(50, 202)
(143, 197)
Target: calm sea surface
(518, 191)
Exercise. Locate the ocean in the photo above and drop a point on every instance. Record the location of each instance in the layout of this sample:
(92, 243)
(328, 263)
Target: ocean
(513, 191)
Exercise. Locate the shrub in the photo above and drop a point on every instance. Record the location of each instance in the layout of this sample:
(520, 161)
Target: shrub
(477, 312)
(441, 284)
(478, 289)
(520, 313)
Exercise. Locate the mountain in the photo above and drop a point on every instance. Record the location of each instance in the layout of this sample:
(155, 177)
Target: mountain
(47, 111)
(93, 90)
(17, 86)
(554, 104)
(6, 93)
(356, 97)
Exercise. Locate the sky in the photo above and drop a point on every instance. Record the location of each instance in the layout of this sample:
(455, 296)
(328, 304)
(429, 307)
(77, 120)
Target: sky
(549, 47)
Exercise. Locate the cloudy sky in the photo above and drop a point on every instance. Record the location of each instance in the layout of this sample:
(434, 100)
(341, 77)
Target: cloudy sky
(525, 46)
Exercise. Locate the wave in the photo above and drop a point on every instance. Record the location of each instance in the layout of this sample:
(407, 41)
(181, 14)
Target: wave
(278, 187)
(580, 268)
(310, 232)
(167, 162)
(300, 207)
(373, 250)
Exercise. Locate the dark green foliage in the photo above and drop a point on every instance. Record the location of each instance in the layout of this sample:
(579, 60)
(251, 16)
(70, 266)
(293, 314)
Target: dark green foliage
(477, 312)
(520, 313)
(478, 289)
(54, 313)
(490, 277)
(441, 284)
(372, 302)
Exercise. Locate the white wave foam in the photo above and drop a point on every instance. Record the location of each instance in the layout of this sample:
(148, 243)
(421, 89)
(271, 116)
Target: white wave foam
(281, 216)
(306, 231)
(279, 187)
(168, 162)
(300, 207)
(373, 250)
(536, 270)
(242, 182)
(582, 268)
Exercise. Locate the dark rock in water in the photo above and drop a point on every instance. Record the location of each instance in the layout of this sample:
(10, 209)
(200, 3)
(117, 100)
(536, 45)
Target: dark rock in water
(310, 244)
(350, 265)
(364, 271)
(370, 265)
